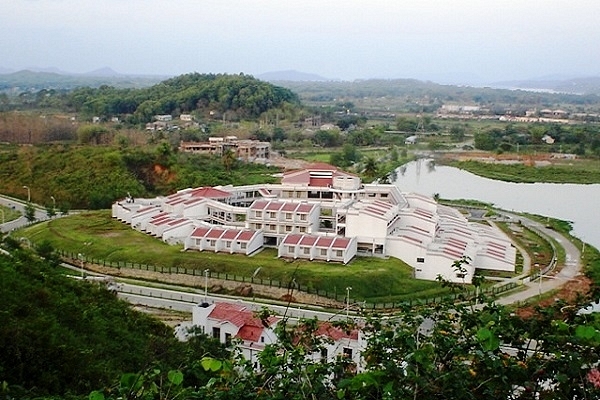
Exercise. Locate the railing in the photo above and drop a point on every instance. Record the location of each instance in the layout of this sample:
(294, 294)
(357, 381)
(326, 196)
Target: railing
(339, 298)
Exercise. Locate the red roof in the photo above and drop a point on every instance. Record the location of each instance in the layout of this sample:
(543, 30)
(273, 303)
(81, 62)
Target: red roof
(199, 232)
(274, 206)
(324, 242)
(230, 234)
(304, 208)
(214, 233)
(336, 333)
(250, 326)
(259, 205)
(210, 192)
(246, 236)
(289, 207)
(292, 238)
(308, 240)
(340, 243)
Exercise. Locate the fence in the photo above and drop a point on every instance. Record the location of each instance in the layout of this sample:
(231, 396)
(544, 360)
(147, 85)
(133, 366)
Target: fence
(338, 297)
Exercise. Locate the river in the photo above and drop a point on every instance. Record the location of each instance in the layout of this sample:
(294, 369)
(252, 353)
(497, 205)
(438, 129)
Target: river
(579, 204)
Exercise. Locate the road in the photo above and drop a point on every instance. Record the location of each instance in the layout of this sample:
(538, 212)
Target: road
(20, 222)
(186, 301)
(569, 271)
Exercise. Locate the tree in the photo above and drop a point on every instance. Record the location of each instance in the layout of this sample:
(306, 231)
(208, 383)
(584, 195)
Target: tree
(370, 168)
(30, 212)
(228, 159)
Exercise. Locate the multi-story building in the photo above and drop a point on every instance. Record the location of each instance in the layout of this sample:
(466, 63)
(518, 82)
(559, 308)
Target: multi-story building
(322, 213)
(248, 150)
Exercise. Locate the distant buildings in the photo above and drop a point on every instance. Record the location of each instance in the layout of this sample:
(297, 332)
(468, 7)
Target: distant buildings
(322, 213)
(248, 150)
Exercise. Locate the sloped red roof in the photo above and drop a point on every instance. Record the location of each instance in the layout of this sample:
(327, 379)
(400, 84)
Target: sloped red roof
(340, 243)
(215, 233)
(240, 316)
(210, 192)
(292, 239)
(199, 232)
(246, 236)
(335, 333)
(324, 242)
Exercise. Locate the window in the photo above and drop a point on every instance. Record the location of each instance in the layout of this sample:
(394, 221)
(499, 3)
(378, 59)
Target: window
(262, 339)
(323, 252)
(288, 215)
(302, 229)
(216, 333)
(339, 253)
(302, 217)
(306, 250)
(324, 355)
(258, 214)
(347, 352)
(228, 339)
(228, 244)
(291, 249)
(272, 228)
(243, 246)
(420, 260)
(288, 228)
(213, 243)
(272, 215)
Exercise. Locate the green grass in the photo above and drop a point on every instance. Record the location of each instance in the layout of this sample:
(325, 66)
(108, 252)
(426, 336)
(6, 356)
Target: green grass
(579, 171)
(9, 214)
(97, 235)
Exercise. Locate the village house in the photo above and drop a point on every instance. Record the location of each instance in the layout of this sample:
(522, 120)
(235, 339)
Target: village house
(235, 324)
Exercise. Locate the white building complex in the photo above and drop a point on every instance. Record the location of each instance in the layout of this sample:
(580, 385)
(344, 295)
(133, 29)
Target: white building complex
(322, 213)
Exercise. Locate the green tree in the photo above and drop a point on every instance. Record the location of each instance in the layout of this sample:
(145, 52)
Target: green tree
(228, 159)
(30, 212)
(370, 168)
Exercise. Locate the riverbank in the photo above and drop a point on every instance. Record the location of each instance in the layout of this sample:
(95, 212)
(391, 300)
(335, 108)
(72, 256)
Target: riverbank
(520, 168)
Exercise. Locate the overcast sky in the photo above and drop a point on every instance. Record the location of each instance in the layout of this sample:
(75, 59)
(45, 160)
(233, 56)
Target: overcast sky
(439, 40)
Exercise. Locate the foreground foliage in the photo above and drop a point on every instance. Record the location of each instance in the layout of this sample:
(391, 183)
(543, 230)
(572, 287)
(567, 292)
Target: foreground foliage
(62, 336)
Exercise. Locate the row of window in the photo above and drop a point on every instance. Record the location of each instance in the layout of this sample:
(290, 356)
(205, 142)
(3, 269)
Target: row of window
(322, 252)
(279, 229)
(273, 215)
(228, 243)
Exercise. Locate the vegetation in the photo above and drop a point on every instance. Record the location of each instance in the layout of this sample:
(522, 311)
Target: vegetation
(67, 338)
(63, 337)
(93, 177)
(579, 172)
(98, 236)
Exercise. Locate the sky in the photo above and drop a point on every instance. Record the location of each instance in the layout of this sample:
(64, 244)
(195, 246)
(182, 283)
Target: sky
(445, 41)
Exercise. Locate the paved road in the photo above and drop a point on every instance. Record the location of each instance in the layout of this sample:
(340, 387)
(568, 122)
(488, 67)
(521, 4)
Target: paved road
(40, 214)
(569, 271)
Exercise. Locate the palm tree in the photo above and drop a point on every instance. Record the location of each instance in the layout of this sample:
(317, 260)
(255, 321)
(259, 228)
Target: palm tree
(228, 159)
(370, 168)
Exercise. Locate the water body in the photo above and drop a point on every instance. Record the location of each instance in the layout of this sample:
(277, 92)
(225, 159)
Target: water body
(579, 204)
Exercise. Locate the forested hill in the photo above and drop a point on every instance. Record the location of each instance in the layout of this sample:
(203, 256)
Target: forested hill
(241, 96)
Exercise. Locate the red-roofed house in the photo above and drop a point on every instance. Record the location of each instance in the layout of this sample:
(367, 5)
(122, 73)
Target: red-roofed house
(243, 241)
(318, 248)
(229, 321)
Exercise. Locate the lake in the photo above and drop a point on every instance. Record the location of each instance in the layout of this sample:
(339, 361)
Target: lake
(579, 204)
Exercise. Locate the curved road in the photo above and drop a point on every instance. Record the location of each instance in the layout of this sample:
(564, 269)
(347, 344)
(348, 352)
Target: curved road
(569, 271)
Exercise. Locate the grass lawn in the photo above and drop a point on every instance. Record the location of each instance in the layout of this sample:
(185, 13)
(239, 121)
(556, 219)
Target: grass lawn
(8, 214)
(97, 235)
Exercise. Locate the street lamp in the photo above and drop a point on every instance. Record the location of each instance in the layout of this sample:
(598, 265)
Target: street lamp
(80, 256)
(206, 271)
(28, 193)
(53, 202)
(348, 289)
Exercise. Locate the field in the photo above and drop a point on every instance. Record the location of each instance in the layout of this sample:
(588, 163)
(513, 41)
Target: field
(97, 235)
